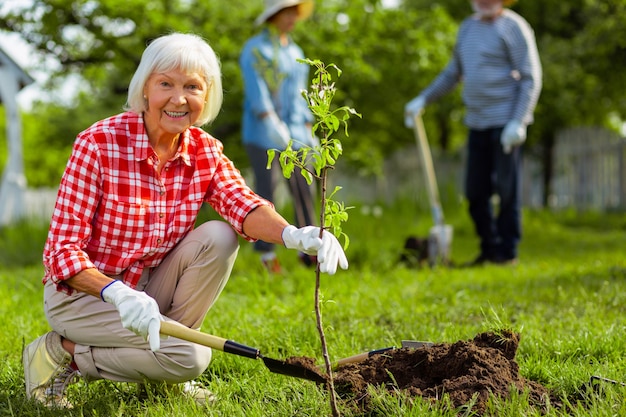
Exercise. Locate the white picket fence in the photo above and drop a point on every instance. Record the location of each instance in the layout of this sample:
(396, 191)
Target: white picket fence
(589, 173)
(590, 170)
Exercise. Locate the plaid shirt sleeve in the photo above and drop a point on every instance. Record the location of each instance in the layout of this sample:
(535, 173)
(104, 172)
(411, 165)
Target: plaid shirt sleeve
(228, 192)
(70, 229)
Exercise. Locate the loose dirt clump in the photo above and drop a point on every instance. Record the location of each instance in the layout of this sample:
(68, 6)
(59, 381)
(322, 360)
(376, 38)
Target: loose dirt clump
(468, 372)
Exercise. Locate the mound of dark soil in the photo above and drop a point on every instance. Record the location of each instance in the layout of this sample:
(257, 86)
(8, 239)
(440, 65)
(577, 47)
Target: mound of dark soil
(468, 372)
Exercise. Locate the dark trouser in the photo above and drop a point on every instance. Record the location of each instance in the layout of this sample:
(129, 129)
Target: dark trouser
(265, 184)
(490, 171)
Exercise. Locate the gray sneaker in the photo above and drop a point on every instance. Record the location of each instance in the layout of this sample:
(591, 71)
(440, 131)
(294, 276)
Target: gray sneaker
(47, 370)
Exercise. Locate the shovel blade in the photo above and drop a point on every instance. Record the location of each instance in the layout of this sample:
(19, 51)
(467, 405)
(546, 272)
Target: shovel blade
(289, 369)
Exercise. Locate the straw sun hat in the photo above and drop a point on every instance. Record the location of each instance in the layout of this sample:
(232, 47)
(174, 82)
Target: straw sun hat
(305, 8)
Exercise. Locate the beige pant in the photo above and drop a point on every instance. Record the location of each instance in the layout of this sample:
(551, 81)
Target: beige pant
(185, 285)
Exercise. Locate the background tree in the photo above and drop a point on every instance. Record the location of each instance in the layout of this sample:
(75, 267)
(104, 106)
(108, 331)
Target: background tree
(102, 42)
(389, 54)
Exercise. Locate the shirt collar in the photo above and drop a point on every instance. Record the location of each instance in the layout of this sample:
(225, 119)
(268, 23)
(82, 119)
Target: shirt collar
(143, 149)
(272, 33)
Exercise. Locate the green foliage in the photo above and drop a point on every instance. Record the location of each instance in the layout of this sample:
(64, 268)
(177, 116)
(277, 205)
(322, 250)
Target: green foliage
(335, 215)
(269, 70)
(579, 84)
(21, 244)
(390, 55)
(102, 42)
(314, 162)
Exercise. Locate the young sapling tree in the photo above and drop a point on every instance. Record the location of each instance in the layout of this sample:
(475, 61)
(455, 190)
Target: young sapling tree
(314, 163)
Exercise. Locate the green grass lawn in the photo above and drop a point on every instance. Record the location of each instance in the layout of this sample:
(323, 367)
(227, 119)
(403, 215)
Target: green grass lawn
(567, 298)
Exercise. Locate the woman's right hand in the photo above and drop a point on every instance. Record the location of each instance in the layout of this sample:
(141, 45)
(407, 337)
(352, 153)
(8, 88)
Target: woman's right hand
(139, 312)
(277, 130)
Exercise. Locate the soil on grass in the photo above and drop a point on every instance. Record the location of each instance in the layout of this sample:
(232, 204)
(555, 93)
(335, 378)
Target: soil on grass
(467, 372)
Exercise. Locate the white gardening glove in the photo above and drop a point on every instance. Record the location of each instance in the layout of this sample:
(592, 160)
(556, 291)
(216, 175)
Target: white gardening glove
(513, 134)
(412, 109)
(139, 312)
(277, 130)
(328, 249)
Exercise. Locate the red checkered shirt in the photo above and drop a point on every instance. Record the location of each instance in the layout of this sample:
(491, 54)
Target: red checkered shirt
(116, 213)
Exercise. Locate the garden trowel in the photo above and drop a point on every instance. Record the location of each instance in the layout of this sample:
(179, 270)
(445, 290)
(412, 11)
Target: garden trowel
(174, 329)
(411, 344)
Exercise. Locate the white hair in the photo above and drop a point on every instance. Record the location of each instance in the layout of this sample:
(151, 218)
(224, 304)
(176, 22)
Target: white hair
(184, 52)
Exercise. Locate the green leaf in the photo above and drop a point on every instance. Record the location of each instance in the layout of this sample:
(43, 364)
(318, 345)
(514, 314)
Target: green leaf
(307, 176)
(271, 153)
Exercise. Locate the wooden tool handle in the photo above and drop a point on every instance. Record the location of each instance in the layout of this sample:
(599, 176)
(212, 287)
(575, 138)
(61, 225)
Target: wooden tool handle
(174, 329)
(429, 169)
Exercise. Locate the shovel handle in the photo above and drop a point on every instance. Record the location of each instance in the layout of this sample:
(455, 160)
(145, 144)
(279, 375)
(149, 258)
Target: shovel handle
(428, 167)
(174, 329)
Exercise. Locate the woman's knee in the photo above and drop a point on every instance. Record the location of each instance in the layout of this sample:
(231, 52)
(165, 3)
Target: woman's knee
(187, 363)
(219, 236)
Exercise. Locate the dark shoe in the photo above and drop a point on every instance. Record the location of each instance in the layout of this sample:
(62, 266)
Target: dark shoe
(504, 261)
(479, 261)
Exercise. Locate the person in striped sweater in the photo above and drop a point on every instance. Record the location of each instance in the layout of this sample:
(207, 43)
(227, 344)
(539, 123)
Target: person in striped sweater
(497, 61)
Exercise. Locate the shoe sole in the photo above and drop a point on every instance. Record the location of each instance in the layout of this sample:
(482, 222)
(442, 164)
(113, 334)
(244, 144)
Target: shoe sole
(26, 361)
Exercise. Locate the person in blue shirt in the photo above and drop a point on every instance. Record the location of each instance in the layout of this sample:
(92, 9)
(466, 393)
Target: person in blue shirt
(274, 111)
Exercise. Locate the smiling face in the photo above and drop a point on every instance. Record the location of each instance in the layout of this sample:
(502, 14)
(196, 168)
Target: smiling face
(175, 101)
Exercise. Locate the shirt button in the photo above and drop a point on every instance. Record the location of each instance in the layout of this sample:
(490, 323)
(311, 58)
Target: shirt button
(159, 241)
(161, 215)
(162, 193)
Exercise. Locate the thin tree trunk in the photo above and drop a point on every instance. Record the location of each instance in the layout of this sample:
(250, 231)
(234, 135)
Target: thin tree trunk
(318, 310)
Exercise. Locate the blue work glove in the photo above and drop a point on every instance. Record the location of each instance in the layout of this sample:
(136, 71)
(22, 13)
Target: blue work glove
(513, 134)
(327, 249)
